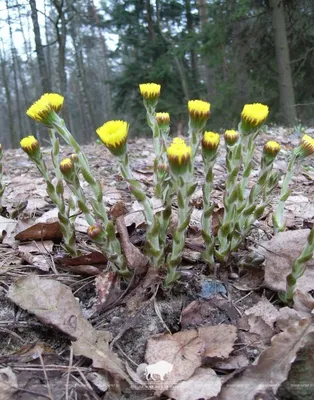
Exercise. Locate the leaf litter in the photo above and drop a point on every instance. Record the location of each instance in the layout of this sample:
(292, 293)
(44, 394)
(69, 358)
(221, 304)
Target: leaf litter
(228, 341)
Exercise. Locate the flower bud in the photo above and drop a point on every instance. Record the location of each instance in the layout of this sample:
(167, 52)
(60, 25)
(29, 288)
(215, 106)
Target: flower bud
(150, 93)
(306, 147)
(199, 113)
(210, 142)
(179, 155)
(253, 116)
(30, 145)
(66, 166)
(231, 137)
(163, 119)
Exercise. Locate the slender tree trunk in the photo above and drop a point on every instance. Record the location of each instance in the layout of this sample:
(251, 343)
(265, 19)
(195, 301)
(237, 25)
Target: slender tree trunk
(106, 69)
(286, 90)
(6, 85)
(208, 73)
(44, 77)
(190, 29)
(15, 78)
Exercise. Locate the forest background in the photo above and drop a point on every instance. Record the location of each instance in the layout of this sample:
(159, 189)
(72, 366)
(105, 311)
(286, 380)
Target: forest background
(95, 53)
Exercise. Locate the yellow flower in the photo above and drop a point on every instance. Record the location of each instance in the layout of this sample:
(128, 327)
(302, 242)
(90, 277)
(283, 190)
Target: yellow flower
(306, 146)
(253, 116)
(179, 155)
(114, 135)
(163, 118)
(210, 141)
(30, 145)
(66, 166)
(231, 137)
(150, 91)
(43, 109)
(199, 112)
(272, 148)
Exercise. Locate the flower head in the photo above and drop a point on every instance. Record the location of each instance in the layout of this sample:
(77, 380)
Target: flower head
(199, 112)
(30, 145)
(163, 119)
(114, 135)
(231, 137)
(94, 232)
(253, 116)
(179, 155)
(44, 109)
(306, 146)
(272, 148)
(150, 92)
(210, 141)
(66, 166)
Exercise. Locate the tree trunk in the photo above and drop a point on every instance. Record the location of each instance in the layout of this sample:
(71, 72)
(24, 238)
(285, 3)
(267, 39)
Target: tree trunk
(208, 74)
(44, 77)
(286, 91)
(190, 29)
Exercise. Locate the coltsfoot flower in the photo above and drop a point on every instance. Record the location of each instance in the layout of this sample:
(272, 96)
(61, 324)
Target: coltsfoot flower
(66, 166)
(94, 231)
(30, 145)
(179, 155)
(199, 111)
(44, 109)
(253, 116)
(272, 148)
(114, 136)
(150, 91)
(210, 141)
(163, 119)
(306, 146)
(231, 137)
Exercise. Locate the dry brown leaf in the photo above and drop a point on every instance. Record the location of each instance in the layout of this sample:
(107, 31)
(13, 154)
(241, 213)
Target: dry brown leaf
(54, 304)
(90, 264)
(44, 247)
(136, 215)
(204, 384)
(185, 350)
(233, 362)
(8, 383)
(135, 259)
(39, 261)
(280, 253)
(41, 231)
(303, 302)
(271, 368)
(265, 310)
(218, 339)
(7, 227)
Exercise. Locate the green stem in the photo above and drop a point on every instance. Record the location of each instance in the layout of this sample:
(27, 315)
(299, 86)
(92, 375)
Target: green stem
(55, 153)
(278, 216)
(56, 196)
(152, 232)
(208, 254)
(298, 268)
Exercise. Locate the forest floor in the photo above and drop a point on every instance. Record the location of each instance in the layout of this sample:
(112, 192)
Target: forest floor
(69, 330)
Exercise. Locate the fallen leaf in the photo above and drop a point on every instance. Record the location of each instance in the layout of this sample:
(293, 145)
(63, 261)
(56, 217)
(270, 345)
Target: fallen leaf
(8, 383)
(7, 227)
(39, 261)
(299, 384)
(105, 284)
(280, 253)
(135, 259)
(41, 231)
(136, 214)
(265, 310)
(44, 247)
(204, 384)
(186, 350)
(233, 362)
(271, 368)
(54, 304)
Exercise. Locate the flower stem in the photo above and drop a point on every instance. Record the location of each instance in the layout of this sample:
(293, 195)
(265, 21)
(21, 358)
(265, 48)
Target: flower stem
(298, 268)
(278, 216)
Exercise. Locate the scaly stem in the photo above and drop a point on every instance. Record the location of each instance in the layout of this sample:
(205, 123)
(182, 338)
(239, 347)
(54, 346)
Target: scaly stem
(152, 232)
(208, 254)
(55, 153)
(278, 216)
(56, 196)
(298, 268)
(185, 189)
